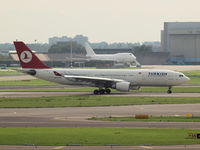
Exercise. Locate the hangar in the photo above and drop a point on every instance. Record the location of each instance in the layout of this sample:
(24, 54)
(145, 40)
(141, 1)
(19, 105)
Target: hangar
(182, 40)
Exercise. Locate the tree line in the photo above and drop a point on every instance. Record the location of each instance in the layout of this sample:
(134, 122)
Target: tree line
(65, 47)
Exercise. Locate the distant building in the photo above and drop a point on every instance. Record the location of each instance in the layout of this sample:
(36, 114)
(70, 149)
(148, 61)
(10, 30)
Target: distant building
(182, 40)
(55, 39)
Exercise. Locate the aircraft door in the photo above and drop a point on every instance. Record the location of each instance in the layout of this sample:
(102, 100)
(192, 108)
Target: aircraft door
(141, 77)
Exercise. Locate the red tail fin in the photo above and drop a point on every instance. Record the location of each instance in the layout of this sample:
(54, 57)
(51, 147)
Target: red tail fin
(27, 58)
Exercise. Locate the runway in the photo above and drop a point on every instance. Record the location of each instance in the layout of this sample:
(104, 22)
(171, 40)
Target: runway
(77, 116)
(136, 94)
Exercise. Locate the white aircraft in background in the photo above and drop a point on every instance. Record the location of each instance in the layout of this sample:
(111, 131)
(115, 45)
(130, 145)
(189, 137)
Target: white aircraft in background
(126, 58)
(103, 79)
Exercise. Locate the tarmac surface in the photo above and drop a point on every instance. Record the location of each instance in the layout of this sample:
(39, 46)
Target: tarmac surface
(77, 116)
(136, 94)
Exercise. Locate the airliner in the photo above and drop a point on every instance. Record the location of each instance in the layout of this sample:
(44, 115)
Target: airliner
(126, 58)
(103, 79)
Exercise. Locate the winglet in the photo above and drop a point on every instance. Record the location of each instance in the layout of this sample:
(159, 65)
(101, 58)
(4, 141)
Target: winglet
(27, 58)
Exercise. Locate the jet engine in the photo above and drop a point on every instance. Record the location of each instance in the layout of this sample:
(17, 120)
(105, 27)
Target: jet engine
(31, 72)
(123, 86)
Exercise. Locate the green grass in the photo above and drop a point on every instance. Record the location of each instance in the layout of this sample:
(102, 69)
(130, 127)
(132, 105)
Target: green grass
(191, 72)
(152, 119)
(193, 75)
(34, 82)
(194, 79)
(96, 136)
(90, 101)
(10, 73)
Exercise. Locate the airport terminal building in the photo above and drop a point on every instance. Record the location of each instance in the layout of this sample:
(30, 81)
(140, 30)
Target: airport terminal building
(182, 40)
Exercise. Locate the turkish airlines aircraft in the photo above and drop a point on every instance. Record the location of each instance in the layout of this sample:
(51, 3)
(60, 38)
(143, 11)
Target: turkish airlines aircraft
(127, 58)
(103, 79)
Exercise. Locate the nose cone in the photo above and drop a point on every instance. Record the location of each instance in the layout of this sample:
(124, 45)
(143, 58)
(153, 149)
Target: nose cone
(133, 58)
(187, 79)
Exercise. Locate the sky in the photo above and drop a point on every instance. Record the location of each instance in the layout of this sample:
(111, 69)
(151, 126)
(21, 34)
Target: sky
(99, 20)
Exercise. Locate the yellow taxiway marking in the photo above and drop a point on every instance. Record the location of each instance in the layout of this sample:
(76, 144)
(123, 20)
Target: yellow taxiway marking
(146, 147)
(58, 147)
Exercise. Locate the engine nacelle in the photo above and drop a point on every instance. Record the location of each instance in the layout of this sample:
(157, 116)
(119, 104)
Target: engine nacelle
(123, 86)
(31, 72)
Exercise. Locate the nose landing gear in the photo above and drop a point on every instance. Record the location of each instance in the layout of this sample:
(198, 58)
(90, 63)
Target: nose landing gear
(169, 90)
(102, 91)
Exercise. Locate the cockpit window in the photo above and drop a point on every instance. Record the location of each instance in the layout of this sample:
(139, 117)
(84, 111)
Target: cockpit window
(180, 75)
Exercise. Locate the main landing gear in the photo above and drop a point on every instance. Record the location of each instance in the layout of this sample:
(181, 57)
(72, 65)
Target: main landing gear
(102, 91)
(169, 90)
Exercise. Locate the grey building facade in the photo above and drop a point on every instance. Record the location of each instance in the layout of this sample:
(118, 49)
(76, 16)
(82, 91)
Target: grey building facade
(182, 40)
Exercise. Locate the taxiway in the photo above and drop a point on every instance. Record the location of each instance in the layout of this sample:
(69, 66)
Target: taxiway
(135, 94)
(78, 116)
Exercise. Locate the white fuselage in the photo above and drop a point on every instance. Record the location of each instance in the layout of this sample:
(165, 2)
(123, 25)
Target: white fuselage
(119, 57)
(137, 77)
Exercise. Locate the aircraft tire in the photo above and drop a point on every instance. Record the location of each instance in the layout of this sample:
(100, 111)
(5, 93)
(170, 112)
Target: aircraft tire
(169, 91)
(108, 91)
(102, 91)
(96, 92)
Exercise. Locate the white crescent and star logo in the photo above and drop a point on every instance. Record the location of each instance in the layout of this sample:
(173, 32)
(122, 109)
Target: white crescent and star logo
(26, 56)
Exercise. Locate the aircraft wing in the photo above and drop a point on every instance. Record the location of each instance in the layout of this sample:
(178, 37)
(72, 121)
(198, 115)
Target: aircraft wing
(93, 80)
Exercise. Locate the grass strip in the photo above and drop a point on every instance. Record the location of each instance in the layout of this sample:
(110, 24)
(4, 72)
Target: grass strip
(95, 136)
(90, 101)
(10, 73)
(152, 119)
(34, 82)
(191, 72)
(194, 79)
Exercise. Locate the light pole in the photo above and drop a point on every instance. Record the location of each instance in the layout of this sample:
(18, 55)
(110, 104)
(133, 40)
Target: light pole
(71, 54)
